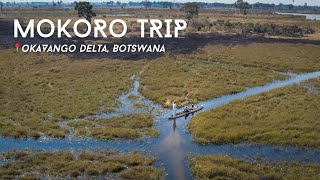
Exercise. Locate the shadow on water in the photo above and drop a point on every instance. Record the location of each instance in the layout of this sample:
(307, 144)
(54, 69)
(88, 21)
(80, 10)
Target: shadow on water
(174, 144)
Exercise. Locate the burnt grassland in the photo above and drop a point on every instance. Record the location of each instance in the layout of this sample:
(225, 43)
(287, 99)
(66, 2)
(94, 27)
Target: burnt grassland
(39, 90)
(286, 117)
(104, 164)
(223, 167)
(132, 126)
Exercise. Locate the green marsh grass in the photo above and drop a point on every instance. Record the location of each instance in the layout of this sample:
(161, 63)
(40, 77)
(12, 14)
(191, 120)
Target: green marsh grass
(223, 167)
(287, 117)
(190, 79)
(217, 70)
(63, 164)
(132, 126)
(38, 90)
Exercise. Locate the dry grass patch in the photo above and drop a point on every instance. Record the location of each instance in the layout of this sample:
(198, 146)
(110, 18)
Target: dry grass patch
(223, 167)
(62, 164)
(277, 56)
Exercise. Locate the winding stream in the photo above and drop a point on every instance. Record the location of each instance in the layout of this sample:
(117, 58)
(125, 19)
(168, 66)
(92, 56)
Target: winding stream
(174, 144)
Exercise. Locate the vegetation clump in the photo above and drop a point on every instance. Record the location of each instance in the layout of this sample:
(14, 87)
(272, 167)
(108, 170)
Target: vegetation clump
(132, 126)
(270, 29)
(223, 167)
(62, 164)
(277, 30)
(251, 26)
(287, 117)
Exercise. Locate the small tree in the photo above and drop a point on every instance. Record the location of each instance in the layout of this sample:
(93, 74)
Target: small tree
(84, 10)
(243, 6)
(191, 9)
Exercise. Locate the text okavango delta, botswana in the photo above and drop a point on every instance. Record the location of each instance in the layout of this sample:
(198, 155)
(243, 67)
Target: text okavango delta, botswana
(64, 48)
(99, 28)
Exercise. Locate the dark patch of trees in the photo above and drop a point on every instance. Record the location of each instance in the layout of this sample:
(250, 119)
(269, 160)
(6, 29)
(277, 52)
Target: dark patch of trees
(265, 29)
(278, 30)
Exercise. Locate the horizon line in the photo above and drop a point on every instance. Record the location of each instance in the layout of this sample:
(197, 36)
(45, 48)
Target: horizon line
(276, 2)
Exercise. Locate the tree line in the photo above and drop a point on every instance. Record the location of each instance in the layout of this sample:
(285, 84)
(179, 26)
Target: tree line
(167, 4)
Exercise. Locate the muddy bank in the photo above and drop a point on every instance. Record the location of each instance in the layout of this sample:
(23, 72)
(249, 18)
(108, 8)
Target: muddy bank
(186, 44)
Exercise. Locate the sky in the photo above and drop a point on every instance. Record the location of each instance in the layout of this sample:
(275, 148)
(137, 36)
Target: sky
(296, 2)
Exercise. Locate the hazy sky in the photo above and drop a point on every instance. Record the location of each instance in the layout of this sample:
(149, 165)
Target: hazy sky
(296, 2)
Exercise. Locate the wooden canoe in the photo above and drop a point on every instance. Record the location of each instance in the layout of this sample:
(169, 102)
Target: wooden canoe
(181, 114)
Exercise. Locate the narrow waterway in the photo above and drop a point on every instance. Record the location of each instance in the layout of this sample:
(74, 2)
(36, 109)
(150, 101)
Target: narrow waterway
(174, 144)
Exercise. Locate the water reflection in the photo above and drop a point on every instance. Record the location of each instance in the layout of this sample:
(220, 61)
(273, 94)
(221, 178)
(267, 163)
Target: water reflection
(174, 125)
(172, 149)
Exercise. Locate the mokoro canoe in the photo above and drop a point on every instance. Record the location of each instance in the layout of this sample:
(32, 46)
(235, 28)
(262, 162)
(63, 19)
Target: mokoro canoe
(181, 114)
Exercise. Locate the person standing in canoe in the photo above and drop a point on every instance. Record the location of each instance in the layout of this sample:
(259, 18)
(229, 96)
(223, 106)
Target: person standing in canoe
(174, 107)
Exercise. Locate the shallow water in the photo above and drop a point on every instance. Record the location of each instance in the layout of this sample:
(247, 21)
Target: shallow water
(308, 16)
(174, 144)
